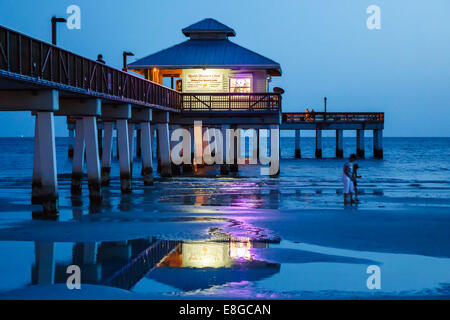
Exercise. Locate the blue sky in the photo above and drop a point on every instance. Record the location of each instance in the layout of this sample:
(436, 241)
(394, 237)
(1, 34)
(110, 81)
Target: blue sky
(324, 48)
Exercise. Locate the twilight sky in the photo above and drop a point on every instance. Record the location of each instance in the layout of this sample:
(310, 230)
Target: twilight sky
(324, 48)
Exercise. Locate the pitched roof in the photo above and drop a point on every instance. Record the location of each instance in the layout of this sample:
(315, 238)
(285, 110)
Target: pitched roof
(207, 52)
(208, 25)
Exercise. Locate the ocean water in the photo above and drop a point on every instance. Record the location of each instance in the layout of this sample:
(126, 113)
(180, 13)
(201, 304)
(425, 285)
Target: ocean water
(219, 232)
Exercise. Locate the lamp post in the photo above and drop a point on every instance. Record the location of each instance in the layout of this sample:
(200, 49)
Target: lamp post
(125, 55)
(325, 107)
(55, 20)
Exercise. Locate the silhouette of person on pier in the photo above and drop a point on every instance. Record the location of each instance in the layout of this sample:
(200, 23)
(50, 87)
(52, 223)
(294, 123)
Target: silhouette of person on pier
(100, 59)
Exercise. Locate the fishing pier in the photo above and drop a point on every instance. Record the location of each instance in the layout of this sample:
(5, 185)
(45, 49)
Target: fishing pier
(212, 80)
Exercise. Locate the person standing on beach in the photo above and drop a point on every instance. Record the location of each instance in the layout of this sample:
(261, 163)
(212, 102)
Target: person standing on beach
(347, 179)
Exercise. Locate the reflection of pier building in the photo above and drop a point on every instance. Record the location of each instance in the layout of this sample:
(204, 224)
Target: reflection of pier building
(123, 264)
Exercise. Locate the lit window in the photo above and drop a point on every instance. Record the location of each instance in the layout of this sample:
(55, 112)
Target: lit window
(241, 85)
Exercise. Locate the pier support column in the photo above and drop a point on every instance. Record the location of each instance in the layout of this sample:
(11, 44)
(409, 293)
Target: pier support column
(360, 143)
(158, 158)
(298, 151)
(153, 133)
(162, 125)
(235, 148)
(319, 143)
(189, 167)
(164, 149)
(275, 150)
(138, 143)
(212, 133)
(147, 161)
(198, 143)
(131, 146)
(78, 158)
(100, 140)
(204, 143)
(48, 193)
(224, 167)
(255, 147)
(176, 169)
(71, 139)
(378, 143)
(143, 118)
(92, 157)
(339, 144)
(117, 143)
(124, 155)
(36, 182)
(107, 151)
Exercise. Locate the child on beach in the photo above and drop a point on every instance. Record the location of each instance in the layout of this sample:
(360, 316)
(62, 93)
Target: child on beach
(354, 179)
(347, 179)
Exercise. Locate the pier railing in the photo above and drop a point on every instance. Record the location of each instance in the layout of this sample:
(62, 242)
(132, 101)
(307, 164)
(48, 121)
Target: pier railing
(231, 102)
(43, 65)
(305, 117)
(26, 59)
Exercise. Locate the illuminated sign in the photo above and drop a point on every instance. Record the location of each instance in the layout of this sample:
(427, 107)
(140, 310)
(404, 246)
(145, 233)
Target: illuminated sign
(199, 80)
(206, 255)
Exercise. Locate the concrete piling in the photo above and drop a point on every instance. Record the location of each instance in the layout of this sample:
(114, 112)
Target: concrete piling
(147, 161)
(298, 151)
(107, 152)
(36, 182)
(161, 120)
(189, 167)
(235, 148)
(360, 152)
(275, 146)
(339, 144)
(92, 157)
(224, 167)
(176, 169)
(48, 193)
(318, 143)
(71, 140)
(138, 143)
(100, 140)
(131, 146)
(164, 149)
(378, 143)
(78, 158)
(255, 147)
(124, 155)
